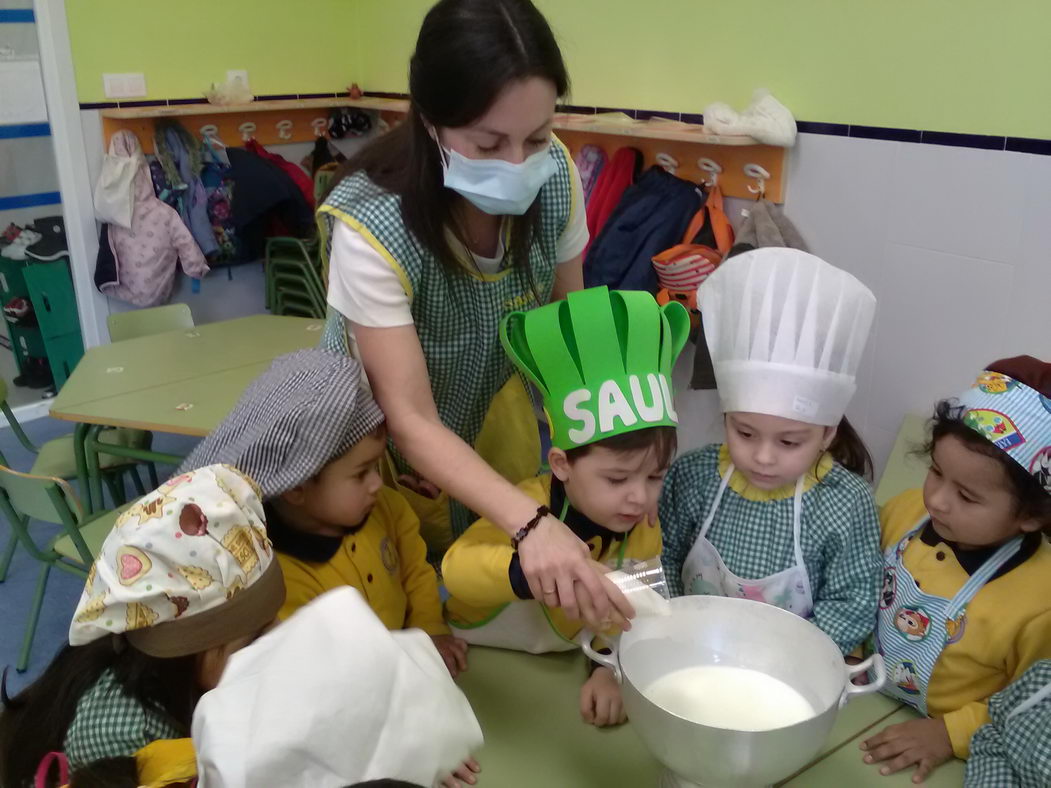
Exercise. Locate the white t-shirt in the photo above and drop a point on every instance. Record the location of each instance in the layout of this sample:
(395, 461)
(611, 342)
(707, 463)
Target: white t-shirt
(365, 289)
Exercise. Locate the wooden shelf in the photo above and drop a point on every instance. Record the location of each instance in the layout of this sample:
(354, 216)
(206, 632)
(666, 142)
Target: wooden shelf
(614, 123)
(185, 110)
(685, 142)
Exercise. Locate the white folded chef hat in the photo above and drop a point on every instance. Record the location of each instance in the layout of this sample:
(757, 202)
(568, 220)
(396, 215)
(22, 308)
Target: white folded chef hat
(786, 331)
(330, 698)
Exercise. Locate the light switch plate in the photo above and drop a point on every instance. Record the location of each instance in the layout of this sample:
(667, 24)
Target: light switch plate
(132, 85)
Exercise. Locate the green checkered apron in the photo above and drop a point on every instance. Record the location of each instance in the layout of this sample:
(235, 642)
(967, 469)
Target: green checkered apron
(456, 316)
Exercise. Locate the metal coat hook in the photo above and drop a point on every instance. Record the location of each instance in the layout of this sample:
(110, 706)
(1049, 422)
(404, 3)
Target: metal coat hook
(713, 168)
(247, 130)
(320, 126)
(761, 176)
(284, 129)
(668, 162)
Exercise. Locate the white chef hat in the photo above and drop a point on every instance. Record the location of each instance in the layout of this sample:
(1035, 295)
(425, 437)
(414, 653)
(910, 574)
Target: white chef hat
(786, 331)
(330, 698)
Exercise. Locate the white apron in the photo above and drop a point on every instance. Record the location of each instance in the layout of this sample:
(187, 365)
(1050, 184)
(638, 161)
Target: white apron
(704, 571)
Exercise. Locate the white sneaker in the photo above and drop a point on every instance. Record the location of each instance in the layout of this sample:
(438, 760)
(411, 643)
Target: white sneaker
(16, 250)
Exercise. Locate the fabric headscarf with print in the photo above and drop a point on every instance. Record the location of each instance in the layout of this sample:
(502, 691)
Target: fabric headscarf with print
(189, 567)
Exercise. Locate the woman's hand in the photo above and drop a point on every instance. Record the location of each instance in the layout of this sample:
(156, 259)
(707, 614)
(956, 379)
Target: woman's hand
(560, 573)
(924, 743)
(600, 700)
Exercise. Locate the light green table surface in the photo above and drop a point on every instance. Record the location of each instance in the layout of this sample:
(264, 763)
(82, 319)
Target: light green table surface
(844, 768)
(142, 382)
(528, 708)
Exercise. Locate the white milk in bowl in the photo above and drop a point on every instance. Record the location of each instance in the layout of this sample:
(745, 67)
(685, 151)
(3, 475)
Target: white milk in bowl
(727, 697)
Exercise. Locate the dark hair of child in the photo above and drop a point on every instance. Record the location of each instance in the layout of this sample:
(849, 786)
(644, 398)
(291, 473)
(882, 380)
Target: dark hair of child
(849, 450)
(663, 441)
(35, 721)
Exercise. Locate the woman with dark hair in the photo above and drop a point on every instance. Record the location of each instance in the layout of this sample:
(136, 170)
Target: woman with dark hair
(468, 210)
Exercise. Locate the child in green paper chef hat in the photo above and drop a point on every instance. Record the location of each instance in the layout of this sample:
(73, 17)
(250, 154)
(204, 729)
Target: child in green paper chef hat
(602, 361)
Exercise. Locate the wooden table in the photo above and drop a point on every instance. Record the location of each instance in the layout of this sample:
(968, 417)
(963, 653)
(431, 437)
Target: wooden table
(528, 709)
(182, 382)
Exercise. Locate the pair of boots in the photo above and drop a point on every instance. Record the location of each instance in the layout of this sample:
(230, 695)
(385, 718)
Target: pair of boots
(36, 374)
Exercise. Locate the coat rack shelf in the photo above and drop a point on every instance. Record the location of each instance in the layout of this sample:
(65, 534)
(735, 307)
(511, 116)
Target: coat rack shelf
(290, 120)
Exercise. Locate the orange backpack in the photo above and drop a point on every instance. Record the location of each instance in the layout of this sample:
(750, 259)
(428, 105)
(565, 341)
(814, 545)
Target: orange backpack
(682, 268)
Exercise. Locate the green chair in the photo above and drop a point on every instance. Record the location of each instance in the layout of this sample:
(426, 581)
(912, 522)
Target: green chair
(25, 497)
(57, 459)
(144, 322)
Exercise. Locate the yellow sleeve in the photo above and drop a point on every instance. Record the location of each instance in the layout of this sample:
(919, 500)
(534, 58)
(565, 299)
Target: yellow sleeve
(898, 515)
(301, 585)
(962, 723)
(423, 608)
(475, 566)
(1032, 644)
(166, 762)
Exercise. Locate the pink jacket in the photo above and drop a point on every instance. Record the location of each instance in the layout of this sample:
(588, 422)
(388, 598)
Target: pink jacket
(147, 254)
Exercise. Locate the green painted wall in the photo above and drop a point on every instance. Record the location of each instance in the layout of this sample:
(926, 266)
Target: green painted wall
(182, 46)
(979, 66)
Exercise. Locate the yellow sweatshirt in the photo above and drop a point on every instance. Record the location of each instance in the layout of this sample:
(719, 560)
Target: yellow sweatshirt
(1008, 624)
(386, 561)
(475, 568)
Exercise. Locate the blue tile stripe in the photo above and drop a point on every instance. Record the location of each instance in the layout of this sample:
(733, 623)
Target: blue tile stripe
(29, 200)
(981, 141)
(19, 130)
(17, 16)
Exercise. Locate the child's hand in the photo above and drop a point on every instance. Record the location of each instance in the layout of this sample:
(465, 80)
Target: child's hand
(465, 775)
(924, 743)
(600, 701)
(453, 651)
(861, 679)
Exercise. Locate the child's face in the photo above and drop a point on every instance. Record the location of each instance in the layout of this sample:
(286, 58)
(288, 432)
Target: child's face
(343, 494)
(969, 498)
(615, 489)
(772, 451)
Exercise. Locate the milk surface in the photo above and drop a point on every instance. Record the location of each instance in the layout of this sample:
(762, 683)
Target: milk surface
(728, 697)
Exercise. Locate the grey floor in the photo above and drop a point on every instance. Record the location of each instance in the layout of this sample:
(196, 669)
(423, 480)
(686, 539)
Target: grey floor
(63, 589)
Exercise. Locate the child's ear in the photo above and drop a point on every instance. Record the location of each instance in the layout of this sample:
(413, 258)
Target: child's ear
(294, 497)
(559, 463)
(1031, 525)
(830, 435)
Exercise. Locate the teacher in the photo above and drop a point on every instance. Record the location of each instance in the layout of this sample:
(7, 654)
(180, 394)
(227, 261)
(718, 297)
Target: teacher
(468, 210)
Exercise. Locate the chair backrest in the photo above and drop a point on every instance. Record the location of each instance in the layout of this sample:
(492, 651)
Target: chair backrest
(143, 322)
(44, 498)
(322, 179)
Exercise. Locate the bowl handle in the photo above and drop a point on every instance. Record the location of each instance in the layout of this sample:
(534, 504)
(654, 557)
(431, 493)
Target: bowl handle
(610, 660)
(853, 690)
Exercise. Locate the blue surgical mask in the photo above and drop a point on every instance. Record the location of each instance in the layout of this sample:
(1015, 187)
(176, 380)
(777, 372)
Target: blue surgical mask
(495, 186)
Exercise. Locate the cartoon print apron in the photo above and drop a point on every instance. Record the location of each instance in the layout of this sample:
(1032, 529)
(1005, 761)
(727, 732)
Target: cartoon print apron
(704, 572)
(524, 625)
(914, 627)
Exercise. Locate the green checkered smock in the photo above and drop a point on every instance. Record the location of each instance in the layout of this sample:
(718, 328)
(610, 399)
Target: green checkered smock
(110, 724)
(840, 538)
(1015, 752)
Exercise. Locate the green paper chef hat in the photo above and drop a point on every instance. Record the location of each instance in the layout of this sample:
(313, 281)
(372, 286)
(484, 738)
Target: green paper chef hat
(602, 360)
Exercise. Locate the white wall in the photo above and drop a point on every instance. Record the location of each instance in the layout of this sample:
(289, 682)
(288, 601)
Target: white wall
(956, 245)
